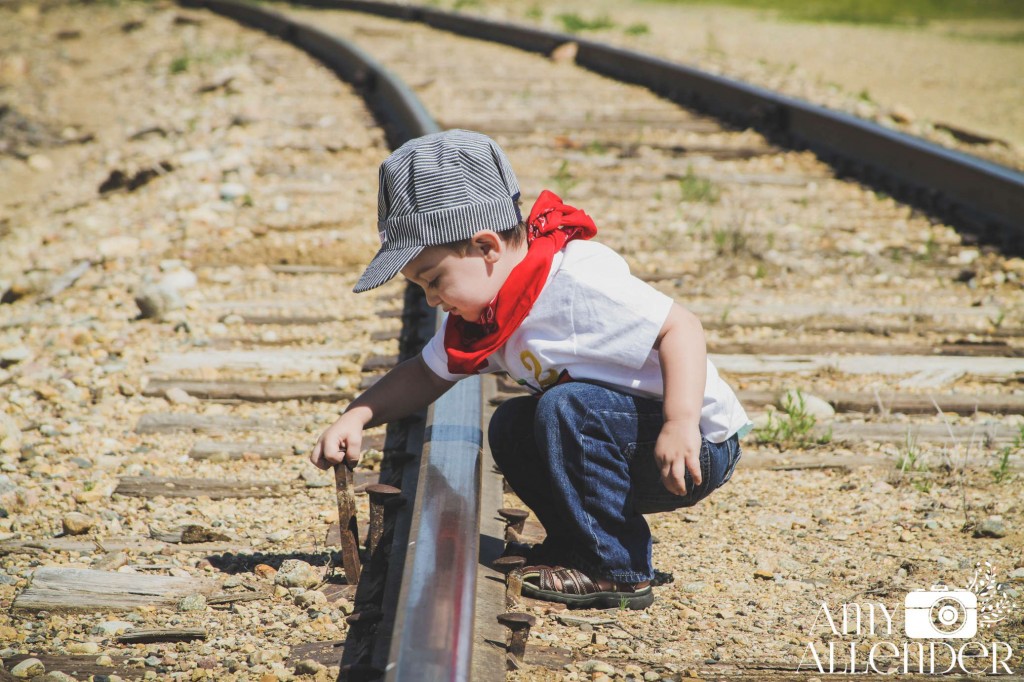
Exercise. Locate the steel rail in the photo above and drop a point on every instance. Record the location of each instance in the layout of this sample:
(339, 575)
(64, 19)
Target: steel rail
(427, 618)
(979, 197)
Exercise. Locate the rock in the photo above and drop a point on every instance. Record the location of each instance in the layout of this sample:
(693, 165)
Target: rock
(10, 434)
(178, 279)
(76, 523)
(229, 191)
(881, 487)
(1017, 574)
(310, 599)
(112, 627)
(178, 396)
(694, 587)
(40, 162)
(902, 114)
(594, 666)
(651, 676)
(30, 667)
(14, 355)
(192, 602)
(194, 533)
(764, 575)
(279, 536)
(87, 648)
(813, 405)
(155, 301)
(55, 676)
(315, 478)
(264, 571)
(121, 246)
(308, 667)
(992, 527)
(297, 573)
(565, 53)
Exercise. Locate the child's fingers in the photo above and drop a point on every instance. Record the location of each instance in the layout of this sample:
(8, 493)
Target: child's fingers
(352, 450)
(674, 477)
(316, 455)
(693, 464)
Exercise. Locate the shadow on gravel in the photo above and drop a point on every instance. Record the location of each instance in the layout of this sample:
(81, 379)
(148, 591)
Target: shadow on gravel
(233, 563)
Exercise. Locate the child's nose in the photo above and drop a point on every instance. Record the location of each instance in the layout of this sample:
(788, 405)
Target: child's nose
(433, 300)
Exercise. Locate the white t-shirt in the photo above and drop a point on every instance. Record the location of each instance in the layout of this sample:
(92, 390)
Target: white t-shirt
(596, 322)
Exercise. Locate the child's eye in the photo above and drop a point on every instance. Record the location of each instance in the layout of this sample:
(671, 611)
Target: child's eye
(433, 283)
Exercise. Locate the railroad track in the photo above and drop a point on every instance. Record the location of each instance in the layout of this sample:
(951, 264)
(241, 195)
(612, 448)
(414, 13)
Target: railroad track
(716, 216)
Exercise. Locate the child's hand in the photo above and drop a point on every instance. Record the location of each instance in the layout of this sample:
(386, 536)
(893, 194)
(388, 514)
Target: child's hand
(678, 449)
(340, 442)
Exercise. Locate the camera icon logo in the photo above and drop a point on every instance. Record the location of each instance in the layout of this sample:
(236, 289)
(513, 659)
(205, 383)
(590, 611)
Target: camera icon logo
(941, 613)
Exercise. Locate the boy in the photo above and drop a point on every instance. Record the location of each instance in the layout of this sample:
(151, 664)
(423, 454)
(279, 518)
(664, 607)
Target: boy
(628, 415)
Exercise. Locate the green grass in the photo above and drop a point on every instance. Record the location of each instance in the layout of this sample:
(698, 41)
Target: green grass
(180, 64)
(639, 29)
(695, 188)
(912, 12)
(730, 241)
(1016, 38)
(1002, 472)
(911, 458)
(564, 180)
(574, 23)
(794, 427)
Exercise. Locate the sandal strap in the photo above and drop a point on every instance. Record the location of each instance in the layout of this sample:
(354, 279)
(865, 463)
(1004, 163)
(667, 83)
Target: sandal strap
(564, 580)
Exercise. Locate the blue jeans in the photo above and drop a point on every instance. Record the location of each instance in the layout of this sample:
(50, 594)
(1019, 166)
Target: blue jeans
(582, 459)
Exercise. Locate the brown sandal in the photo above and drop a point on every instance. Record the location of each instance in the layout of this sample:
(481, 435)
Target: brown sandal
(579, 591)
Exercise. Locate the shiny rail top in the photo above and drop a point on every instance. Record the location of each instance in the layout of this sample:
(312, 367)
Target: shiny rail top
(434, 623)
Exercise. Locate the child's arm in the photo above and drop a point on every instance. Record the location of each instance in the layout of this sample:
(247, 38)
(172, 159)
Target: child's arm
(406, 389)
(683, 353)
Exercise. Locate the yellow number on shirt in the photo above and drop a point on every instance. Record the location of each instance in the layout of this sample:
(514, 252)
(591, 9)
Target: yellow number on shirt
(531, 363)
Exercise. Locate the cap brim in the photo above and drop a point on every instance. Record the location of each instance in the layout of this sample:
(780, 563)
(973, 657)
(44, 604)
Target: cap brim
(384, 266)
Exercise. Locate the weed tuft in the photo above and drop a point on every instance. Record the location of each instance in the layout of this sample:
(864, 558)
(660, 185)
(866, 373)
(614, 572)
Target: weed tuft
(564, 179)
(180, 64)
(574, 23)
(695, 188)
(1001, 473)
(794, 428)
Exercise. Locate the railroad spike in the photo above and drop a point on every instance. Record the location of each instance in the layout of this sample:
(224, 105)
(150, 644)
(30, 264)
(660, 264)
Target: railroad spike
(515, 521)
(509, 567)
(347, 524)
(519, 624)
(379, 494)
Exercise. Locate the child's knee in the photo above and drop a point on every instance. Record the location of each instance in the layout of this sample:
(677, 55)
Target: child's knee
(566, 403)
(510, 421)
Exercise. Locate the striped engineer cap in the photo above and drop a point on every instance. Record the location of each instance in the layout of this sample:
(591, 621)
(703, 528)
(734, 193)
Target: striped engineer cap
(438, 189)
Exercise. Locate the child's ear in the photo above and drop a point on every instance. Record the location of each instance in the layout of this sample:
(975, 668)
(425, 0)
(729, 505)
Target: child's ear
(490, 245)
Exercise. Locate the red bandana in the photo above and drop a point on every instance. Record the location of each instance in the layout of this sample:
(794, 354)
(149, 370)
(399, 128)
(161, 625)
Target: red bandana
(551, 224)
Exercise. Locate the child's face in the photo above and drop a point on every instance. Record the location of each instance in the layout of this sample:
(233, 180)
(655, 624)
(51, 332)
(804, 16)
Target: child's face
(462, 285)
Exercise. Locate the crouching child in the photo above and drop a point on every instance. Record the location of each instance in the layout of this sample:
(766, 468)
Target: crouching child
(627, 417)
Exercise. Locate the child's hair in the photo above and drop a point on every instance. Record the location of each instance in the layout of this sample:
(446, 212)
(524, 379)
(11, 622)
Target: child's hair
(513, 237)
